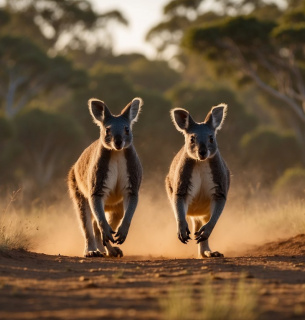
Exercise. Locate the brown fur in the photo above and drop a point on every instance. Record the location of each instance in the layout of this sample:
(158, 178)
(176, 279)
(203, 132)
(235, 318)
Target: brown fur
(104, 182)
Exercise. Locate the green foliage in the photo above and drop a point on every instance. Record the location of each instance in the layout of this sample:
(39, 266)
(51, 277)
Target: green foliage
(290, 34)
(4, 17)
(294, 15)
(270, 153)
(291, 183)
(49, 142)
(155, 75)
(113, 86)
(270, 53)
(17, 51)
(174, 6)
(56, 24)
(154, 135)
(268, 11)
(6, 130)
(8, 150)
(246, 31)
(28, 71)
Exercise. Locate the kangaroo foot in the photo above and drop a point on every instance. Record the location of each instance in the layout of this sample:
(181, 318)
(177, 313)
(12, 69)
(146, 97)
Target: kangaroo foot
(210, 254)
(94, 254)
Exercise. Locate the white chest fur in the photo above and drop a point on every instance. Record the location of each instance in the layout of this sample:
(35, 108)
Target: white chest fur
(117, 178)
(202, 187)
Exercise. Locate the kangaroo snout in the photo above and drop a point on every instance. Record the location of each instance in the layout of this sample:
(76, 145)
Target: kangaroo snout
(118, 142)
(203, 152)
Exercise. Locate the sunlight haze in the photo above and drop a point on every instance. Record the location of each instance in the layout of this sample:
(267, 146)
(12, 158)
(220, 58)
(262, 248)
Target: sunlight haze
(141, 15)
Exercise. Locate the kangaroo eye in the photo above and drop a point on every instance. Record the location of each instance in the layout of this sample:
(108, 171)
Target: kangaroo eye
(192, 139)
(107, 131)
(211, 139)
(127, 130)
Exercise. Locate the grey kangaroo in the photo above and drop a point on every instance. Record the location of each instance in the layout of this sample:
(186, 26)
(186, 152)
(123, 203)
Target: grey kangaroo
(198, 180)
(105, 180)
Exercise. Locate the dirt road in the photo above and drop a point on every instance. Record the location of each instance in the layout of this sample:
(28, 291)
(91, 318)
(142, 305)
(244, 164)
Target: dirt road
(38, 286)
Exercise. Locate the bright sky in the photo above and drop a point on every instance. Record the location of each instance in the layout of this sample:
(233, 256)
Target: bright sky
(141, 14)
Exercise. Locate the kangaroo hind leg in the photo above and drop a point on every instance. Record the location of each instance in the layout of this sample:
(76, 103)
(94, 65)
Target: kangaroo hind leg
(114, 217)
(204, 250)
(84, 213)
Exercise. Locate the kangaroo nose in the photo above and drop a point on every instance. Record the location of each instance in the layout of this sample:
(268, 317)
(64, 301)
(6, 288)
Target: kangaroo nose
(118, 142)
(202, 152)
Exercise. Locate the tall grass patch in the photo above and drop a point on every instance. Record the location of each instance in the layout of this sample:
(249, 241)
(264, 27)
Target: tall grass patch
(15, 230)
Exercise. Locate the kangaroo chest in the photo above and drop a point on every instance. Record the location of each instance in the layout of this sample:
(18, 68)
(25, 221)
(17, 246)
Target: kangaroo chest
(117, 178)
(202, 188)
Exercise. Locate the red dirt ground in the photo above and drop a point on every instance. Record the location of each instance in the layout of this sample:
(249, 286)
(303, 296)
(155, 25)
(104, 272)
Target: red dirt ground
(38, 286)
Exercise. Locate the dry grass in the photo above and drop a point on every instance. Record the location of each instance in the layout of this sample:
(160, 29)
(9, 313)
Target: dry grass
(228, 302)
(13, 236)
(16, 232)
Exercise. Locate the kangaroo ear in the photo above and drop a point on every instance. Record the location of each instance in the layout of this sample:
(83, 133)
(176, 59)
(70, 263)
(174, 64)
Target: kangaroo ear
(132, 110)
(181, 119)
(98, 110)
(216, 116)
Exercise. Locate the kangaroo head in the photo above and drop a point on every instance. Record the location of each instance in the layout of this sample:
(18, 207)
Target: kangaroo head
(200, 138)
(116, 130)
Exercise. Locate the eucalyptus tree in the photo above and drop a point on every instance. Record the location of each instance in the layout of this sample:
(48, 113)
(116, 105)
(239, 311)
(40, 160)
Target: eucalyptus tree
(60, 25)
(269, 53)
(27, 71)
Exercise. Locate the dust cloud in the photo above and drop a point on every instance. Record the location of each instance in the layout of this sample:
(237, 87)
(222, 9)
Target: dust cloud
(153, 229)
(152, 232)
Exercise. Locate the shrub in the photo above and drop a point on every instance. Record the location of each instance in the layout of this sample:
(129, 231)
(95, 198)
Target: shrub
(270, 153)
(291, 183)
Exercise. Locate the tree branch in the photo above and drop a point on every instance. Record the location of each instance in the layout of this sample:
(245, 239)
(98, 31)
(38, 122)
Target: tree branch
(293, 105)
(263, 85)
(12, 88)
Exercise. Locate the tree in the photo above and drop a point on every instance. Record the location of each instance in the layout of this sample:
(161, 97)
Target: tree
(268, 153)
(8, 149)
(49, 144)
(291, 184)
(61, 24)
(179, 15)
(269, 53)
(155, 75)
(249, 44)
(27, 71)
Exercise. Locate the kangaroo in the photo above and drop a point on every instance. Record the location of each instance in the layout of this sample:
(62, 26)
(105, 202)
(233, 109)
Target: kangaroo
(198, 179)
(105, 180)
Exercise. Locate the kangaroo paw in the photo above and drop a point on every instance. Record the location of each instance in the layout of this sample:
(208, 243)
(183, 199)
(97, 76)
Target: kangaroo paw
(115, 252)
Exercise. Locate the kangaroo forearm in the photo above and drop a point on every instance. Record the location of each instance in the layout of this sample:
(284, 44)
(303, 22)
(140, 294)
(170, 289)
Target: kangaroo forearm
(216, 210)
(180, 209)
(131, 205)
(97, 208)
